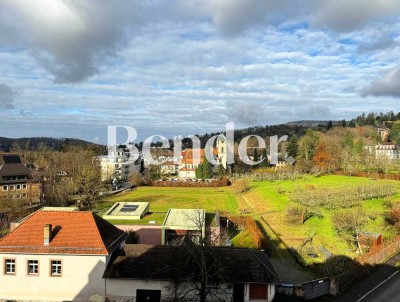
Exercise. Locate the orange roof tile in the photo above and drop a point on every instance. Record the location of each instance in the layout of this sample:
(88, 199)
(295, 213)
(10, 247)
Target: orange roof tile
(189, 153)
(73, 233)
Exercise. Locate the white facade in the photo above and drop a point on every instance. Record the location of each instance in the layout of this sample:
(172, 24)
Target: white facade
(80, 279)
(118, 290)
(118, 165)
(388, 150)
(221, 147)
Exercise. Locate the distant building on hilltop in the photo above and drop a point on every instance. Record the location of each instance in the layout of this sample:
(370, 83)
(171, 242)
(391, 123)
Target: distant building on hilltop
(19, 181)
(385, 150)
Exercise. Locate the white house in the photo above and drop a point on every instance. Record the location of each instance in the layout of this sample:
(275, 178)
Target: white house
(57, 256)
(78, 256)
(156, 273)
(385, 150)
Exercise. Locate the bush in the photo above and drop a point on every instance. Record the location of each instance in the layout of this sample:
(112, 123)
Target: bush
(293, 213)
(393, 216)
(133, 238)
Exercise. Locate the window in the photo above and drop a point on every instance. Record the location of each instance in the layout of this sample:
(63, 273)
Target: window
(18, 187)
(33, 267)
(24, 195)
(24, 187)
(11, 188)
(5, 188)
(9, 265)
(55, 268)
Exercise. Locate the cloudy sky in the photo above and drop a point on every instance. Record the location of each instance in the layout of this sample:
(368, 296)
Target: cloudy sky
(70, 68)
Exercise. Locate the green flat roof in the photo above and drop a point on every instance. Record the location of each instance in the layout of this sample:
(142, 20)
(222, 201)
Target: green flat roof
(185, 218)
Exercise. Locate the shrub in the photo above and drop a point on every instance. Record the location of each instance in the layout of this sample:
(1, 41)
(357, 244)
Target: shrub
(293, 213)
(133, 238)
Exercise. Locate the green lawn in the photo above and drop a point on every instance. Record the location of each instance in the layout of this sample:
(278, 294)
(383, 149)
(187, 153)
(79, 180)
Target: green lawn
(270, 199)
(264, 199)
(162, 199)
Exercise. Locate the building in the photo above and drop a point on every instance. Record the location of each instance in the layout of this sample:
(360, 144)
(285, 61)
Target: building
(57, 256)
(384, 134)
(181, 224)
(78, 256)
(221, 150)
(127, 211)
(169, 167)
(18, 181)
(188, 162)
(119, 164)
(156, 273)
(385, 150)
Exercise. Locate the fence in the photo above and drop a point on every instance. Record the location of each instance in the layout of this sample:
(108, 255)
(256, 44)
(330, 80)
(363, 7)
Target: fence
(366, 262)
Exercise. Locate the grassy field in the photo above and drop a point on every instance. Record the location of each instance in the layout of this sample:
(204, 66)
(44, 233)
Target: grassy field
(270, 200)
(161, 199)
(267, 200)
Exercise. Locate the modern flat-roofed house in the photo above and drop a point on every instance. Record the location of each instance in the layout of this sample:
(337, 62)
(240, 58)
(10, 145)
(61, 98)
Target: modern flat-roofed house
(175, 273)
(181, 224)
(57, 256)
(18, 181)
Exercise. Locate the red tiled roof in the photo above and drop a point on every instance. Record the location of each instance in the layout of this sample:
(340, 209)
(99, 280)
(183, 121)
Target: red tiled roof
(189, 153)
(82, 233)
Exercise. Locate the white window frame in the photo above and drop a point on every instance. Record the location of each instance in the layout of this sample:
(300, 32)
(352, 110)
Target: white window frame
(55, 268)
(5, 188)
(9, 266)
(33, 267)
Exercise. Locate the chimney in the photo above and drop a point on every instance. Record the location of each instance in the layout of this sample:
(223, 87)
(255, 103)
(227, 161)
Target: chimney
(47, 234)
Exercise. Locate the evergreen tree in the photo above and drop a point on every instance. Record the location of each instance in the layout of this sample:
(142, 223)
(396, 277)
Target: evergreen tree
(264, 163)
(255, 155)
(370, 119)
(352, 123)
(344, 123)
(207, 169)
(395, 133)
(199, 171)
(293, 146)
(329, 126)
(221, 170)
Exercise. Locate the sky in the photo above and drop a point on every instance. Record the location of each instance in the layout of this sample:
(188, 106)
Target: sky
(70, 68)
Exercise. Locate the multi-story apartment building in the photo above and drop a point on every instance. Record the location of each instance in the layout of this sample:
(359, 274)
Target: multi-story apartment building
(119, 164)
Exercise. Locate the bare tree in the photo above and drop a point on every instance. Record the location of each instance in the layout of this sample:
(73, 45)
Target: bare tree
(351, 222)
(207, 280)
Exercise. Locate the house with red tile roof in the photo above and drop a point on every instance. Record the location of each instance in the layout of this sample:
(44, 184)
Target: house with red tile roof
(191, 158)
(57, 256)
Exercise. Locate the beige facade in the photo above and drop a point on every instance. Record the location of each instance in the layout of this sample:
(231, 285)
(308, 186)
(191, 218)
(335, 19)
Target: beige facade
(80, 278)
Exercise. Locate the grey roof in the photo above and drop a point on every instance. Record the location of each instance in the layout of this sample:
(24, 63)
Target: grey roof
(161, 262)
(13, 165)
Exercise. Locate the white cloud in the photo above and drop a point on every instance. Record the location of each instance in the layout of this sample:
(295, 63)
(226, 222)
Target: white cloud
(71, 39)
(345, 15)
(388, 85)
(7, 96)
(183, 67)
